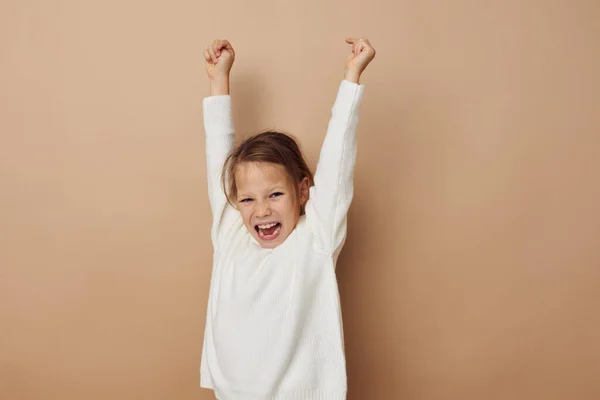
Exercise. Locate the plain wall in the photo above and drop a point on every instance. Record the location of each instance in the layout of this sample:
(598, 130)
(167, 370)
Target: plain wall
(472, 264)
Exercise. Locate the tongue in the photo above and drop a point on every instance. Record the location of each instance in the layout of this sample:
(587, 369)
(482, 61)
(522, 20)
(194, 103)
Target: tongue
(270, 230)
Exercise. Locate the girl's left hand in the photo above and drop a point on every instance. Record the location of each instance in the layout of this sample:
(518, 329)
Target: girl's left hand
(362, 54)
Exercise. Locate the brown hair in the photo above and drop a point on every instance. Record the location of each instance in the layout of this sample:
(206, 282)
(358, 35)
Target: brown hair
(267, 147)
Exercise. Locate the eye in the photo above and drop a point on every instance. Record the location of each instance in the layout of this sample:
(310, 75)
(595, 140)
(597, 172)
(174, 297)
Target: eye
(245, 200)
(277, 194)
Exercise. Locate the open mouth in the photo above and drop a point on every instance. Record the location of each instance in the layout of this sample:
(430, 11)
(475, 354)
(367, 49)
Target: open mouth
(268, 231)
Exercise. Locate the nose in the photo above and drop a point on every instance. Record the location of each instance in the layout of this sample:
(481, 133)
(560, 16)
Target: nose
(262, 209)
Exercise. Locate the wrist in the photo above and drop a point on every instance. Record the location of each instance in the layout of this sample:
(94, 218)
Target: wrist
(352, 76)
(219, 77)
(219, 85)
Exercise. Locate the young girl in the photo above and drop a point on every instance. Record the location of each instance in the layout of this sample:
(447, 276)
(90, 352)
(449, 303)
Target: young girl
(273, 323)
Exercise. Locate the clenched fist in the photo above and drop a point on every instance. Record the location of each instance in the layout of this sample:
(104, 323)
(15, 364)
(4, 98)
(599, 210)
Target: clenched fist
(362, 54)
(219, 57)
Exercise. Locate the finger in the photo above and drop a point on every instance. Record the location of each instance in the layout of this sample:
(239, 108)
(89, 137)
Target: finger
(213, 57)
(216, 49)
(218, 45)
(207, 56)
(353, 42)
(359, 45)
(368, 48)
(223, 44)
(227, 46)
(364, 43)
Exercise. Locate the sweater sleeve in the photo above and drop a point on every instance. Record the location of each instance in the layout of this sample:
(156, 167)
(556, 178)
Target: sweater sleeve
(332, 193)
(219, 128)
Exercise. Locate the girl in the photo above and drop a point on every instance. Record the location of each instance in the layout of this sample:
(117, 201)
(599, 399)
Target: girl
(273, 322)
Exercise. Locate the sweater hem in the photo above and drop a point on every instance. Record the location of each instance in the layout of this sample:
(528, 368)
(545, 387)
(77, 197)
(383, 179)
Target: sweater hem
(299, 395)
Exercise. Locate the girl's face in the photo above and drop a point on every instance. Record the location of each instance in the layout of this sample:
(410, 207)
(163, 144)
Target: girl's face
(267, 201)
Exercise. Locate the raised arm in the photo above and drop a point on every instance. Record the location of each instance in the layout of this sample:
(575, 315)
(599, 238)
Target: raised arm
(219, 127)
(333, 191)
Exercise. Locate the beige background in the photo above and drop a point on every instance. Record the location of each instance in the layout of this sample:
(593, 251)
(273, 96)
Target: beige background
(472, 265)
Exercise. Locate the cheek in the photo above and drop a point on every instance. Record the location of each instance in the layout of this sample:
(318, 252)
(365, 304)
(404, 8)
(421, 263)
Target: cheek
(246, 213)
(289, 210)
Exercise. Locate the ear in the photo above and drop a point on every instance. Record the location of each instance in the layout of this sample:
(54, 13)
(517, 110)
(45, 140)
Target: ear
(303, 187)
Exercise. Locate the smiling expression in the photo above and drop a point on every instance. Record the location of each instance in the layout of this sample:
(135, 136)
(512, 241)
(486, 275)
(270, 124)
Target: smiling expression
(266, 199)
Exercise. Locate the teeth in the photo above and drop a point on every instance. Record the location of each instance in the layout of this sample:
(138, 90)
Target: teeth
(267, 226)
(261, 233)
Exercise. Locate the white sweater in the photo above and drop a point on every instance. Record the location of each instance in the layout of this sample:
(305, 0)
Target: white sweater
(273, 321)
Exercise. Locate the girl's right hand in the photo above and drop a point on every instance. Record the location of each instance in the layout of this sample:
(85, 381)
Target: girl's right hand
(219, 57)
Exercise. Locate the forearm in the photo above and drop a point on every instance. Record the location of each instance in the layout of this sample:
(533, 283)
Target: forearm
(218, 124)
(219, 85)
(333, 180)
